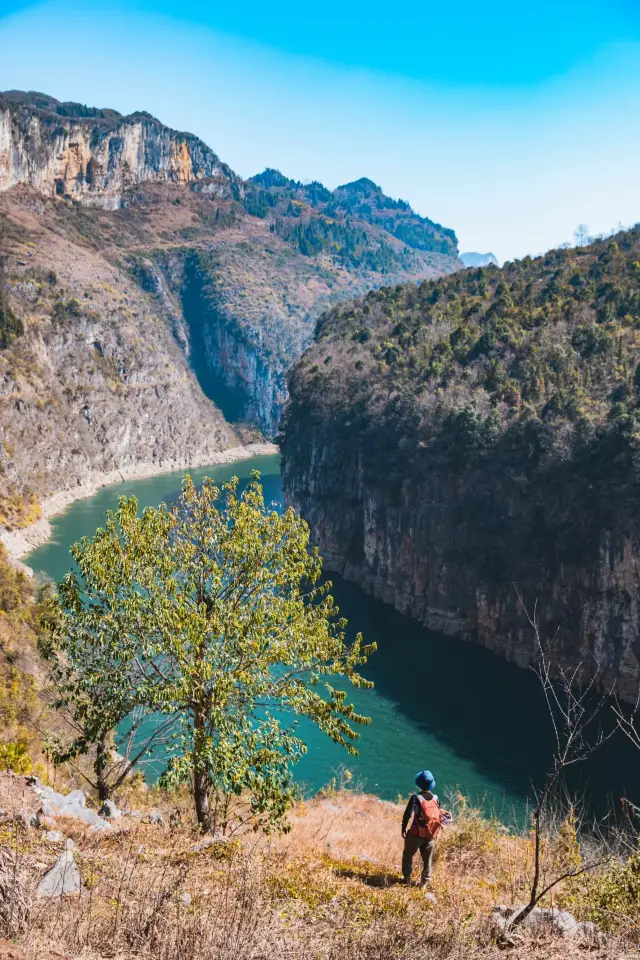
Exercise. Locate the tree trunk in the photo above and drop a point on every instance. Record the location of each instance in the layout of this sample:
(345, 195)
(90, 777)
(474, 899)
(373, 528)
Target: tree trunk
(200, 775)
(100, 767)
(201, 796)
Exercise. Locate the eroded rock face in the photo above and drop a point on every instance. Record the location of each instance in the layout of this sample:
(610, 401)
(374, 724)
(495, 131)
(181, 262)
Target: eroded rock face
(410, 546)
(99, 381)
(95, 159)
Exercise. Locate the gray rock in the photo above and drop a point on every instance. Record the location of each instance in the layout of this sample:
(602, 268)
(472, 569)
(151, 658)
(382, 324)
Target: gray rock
(109, 810)
(63, 878)
(185, 898)
(562, 922)
(76, 796)
(73, 805)
(208, 842)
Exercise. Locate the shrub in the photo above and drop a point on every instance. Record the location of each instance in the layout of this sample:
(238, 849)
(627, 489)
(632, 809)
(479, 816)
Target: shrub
(14, 756)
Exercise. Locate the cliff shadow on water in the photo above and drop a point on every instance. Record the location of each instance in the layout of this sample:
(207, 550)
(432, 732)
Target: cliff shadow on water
(480, 722)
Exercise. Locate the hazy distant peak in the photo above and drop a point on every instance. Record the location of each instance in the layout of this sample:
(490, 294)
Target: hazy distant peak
(479, 259)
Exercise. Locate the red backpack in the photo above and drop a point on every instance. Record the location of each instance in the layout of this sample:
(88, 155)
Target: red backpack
(427, 822)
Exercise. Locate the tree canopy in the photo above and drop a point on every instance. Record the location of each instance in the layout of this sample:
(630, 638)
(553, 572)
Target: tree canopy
(212, 614)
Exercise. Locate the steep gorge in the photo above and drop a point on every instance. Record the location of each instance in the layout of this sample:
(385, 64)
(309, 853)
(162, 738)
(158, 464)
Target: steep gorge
(475, 438)
(142, 279)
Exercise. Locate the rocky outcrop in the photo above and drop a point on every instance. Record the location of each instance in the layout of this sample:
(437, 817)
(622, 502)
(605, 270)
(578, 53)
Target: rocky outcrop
(479, 259)
(95, 158)
(98, 383)
(414, 546)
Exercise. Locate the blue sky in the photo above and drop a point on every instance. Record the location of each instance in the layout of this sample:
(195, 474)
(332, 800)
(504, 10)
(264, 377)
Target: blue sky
(510, 123)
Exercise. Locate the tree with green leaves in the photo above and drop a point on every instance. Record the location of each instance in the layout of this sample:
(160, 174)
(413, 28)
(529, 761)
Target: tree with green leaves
(219, 621)
(90, 681)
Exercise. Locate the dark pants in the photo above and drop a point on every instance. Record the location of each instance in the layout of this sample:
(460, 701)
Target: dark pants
(413, 843)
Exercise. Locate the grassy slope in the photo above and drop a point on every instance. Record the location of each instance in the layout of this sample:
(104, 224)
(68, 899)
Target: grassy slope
(326, 890)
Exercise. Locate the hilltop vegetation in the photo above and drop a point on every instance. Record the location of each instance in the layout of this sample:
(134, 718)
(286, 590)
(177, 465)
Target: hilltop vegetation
(515, 372)
(356, 222)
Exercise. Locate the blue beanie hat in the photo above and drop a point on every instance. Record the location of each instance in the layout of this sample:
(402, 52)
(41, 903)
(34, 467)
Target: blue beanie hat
(425, 780)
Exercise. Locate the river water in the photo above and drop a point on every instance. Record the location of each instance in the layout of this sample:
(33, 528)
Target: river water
(477, 722)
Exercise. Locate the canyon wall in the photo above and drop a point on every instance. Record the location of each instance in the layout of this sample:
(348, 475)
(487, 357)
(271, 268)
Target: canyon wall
(469, 451)
(94, 159)
(416, 546)
(98, 380)
(239, 270)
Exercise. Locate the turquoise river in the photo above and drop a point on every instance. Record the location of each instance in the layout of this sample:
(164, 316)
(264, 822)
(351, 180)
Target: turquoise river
(476, 721)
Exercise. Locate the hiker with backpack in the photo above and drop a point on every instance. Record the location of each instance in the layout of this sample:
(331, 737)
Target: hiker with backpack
(428, 820)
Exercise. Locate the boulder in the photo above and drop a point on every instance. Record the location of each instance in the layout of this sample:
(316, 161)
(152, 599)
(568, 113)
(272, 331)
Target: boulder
(560, 921)
(62, 878)
(76, 796)
(73, 805)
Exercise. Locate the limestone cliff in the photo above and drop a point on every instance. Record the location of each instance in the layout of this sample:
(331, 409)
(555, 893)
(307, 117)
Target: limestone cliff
(94, 155)
(454, 442)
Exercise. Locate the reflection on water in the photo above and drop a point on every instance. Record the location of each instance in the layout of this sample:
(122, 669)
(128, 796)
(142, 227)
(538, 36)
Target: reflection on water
(477, 722)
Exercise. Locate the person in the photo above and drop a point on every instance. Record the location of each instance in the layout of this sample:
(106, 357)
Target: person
(428, 819)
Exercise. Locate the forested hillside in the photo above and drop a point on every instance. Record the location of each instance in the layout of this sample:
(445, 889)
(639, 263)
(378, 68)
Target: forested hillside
(492, 420)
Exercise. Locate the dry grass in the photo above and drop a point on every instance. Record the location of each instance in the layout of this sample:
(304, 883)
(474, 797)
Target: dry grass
(328, 889)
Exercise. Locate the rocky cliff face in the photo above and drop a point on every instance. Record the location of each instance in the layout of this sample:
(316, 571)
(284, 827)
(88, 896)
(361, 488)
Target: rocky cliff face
(263, 257)
(94, 156)
(97, 381)
(446, 467)
(411, 548)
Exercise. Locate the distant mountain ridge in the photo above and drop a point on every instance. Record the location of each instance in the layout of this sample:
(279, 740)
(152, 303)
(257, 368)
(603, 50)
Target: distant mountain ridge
(479, 259)
(321, 217)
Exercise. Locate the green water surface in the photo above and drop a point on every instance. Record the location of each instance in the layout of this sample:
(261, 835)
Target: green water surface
(476, 721)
